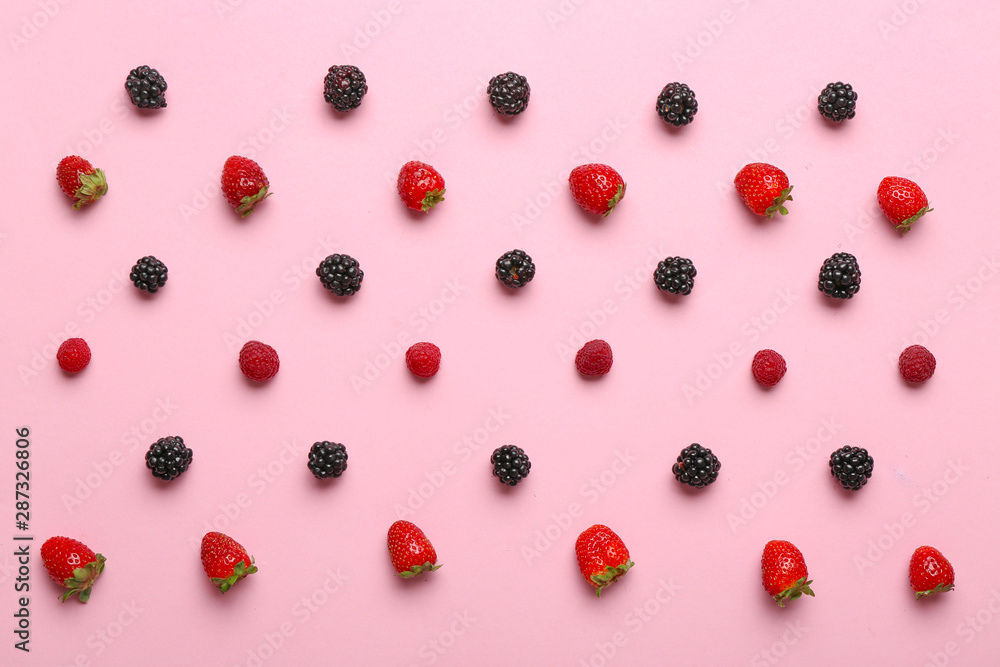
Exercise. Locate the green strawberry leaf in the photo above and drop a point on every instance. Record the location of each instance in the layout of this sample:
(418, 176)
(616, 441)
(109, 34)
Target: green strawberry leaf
(779, 203)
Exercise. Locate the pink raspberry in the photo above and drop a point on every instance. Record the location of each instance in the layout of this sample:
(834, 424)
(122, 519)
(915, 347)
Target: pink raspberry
(73, 355)
(768, 367)
(423, 359)
(594, 358)
(258, 361)
(916, 363)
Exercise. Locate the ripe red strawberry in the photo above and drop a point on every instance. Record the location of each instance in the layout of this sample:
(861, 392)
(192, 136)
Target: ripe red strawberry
(930, 572)
(410, 550)
(225, 560)
(244, 184)
(597, 188)
(80, 181)
(72, 564)
(764, 188)
(784, 572)
(420, 186)
(902, 201)
(602, 556)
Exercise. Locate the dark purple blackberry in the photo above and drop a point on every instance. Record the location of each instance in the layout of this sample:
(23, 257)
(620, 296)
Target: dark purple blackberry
(851, 466)
(145, 88)
(696, 466)
(344, 87)
(341, 274)
(837, 101)
(509, 93)
(515, 269)
(149, 274)
(675, 275)
(676, 104)
(840, 277)
(510, 464)
(168, 457)
(327, 459)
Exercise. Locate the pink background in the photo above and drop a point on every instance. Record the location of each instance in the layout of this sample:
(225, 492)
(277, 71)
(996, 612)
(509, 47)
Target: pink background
(245, 77)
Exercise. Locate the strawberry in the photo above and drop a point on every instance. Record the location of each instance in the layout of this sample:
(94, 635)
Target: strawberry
(420, 186)
(602, 556)
(72, 564)
(597, 188)
(784, 572)
(930, 572)
(764, 189)
(244, 184)
(80, 181)
(225, 560)
(410, 550)
(902, 201)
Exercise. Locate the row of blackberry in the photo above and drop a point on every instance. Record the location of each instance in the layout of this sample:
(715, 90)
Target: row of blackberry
(345, 86)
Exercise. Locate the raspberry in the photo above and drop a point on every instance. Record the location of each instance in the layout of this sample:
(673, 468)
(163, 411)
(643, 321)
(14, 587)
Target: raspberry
(768, 367)
(916, 363)
(423, 359)
(594, 358)
(73, 355)
(258, 361)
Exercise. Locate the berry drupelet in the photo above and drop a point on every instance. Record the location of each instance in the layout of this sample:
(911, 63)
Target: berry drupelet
(851, 466)
(510, 464)
(675, 275)
(341, 274)
(327, 459)
(676, 104)
(168, 457)
(696, 466)
(344, 87)
(146, 88)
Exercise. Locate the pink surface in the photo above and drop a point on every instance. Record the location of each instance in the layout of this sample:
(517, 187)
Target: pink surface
(246, 78)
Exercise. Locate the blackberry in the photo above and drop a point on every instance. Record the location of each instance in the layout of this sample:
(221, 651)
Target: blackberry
(168, 457)
(341, 274)
(676, 104)
(675, 275)
(145, 88)
(510, 464)
(509, 93)
(696, 466)
(149, 274)
(837, 101)
(327, 459)
(852, 466)
(840, 277)
(344, 87)
(515, 269)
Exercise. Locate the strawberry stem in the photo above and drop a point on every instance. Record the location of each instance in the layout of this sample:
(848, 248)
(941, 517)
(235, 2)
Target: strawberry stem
(247, 203)
(940, 588)
(92, 187)
(82, 581)
(418, 569)
(794, 591)
(432, 199)
(904, 226)
(610, 575)
(239, 572)
(614, 200)
(779, 203)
